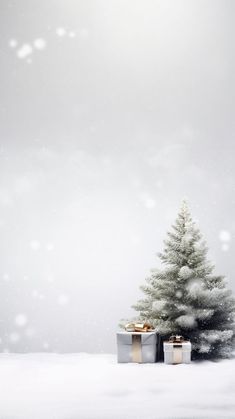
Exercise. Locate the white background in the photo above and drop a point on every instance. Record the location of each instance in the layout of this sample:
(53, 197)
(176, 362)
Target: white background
(111, 112)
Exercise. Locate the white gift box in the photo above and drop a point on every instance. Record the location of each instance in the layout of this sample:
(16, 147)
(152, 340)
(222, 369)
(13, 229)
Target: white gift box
(137, 346)
(177, 353)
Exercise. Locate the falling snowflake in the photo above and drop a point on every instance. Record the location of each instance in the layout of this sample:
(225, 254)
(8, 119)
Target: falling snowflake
(13, 43)
(35, 293)
(6, 277)
(39, 43)
(24, 51)
(63, 299)
(224, 236)
(50, 247)
(60, 31)
(72, 34)
(45, 345)
(225, 247)
(14, 337)
(148, 202)
(21, 320)
(185, 272)
(35, 245)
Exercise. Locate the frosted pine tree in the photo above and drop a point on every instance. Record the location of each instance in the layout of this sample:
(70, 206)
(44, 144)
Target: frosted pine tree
(185, 297)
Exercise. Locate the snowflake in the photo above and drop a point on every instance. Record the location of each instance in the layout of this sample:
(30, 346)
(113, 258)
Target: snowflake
(21, 320)
(60, 31)
(148, 201)
(224, 236)
(45, 345)
(63, 299)
(5, 277)
(24, 51)
(50, 247)
(225, 247)
(13, 43)
(194, 288)
(178, 294)
(35, 293)
(40, 43)
(185, 272)
(35, 245)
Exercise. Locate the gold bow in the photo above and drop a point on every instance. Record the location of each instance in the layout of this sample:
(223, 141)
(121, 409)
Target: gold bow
(176, 339)
(138, 327)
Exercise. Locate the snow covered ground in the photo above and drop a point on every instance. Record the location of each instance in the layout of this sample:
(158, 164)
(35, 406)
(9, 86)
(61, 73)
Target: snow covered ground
(88, 386)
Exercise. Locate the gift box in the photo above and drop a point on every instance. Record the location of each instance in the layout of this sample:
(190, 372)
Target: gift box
(177, 350)
(138, 347)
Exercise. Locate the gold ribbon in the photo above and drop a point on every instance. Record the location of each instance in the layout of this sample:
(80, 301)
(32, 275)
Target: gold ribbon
(136, 353)
(177, 354)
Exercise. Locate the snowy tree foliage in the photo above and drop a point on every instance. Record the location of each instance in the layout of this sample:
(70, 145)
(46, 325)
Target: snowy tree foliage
(185, 297)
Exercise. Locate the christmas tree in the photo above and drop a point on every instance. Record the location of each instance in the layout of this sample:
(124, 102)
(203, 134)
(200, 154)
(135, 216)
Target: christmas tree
(185, 297)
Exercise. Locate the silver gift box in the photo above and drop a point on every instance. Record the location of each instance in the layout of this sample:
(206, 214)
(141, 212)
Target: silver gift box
(177, 353)
(138, 347)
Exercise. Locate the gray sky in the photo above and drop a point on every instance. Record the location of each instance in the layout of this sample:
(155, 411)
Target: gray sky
(111, 112)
